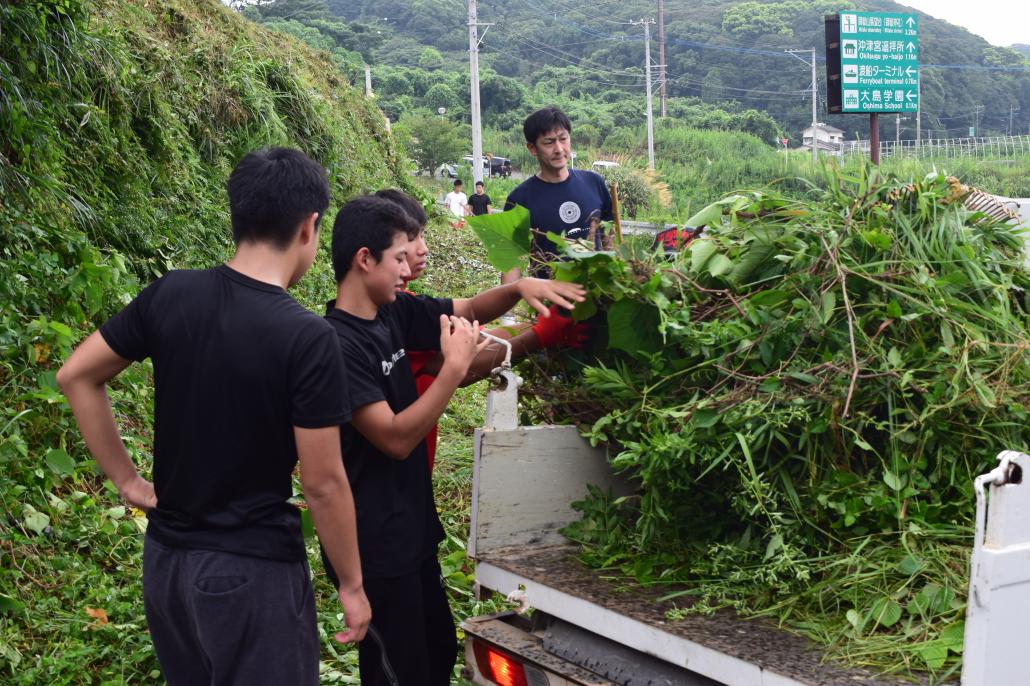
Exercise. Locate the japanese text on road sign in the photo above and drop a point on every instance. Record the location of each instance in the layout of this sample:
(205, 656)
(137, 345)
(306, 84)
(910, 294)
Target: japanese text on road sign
(879, 56)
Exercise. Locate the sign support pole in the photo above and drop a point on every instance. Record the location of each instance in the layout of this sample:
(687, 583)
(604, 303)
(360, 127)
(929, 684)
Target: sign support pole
(874, 137)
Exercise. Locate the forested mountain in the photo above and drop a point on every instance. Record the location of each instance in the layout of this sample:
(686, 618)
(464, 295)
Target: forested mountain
(722, 52)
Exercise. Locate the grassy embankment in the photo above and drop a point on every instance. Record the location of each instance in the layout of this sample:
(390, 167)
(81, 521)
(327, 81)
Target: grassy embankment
(120, 123)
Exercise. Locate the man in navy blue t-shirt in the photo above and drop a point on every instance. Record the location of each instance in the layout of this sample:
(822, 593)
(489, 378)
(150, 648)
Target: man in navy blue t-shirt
(559, 199)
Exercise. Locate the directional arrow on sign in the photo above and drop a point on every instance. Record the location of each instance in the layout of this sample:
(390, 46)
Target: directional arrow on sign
(911, 46)
(910, 22)
(909, 71)
(910, 96)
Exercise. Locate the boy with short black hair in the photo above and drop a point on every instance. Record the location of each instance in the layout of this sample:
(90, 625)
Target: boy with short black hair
(384, 446)
(480, 202)
(555, 331)
(456, 201)
(246, 382)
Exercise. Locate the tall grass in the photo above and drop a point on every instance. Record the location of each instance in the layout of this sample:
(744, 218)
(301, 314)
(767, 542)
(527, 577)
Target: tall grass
(701, 166)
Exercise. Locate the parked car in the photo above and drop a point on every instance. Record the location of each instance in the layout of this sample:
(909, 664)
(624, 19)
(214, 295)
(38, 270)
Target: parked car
(467, 159)
(492, 166)
(447, 170)
(500, 166)
(600, 165)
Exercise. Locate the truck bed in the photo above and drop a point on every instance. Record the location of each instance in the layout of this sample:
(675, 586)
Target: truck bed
(525, 479)
(722, 646)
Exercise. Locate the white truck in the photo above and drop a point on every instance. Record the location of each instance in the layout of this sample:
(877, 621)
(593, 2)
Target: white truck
(591, 630)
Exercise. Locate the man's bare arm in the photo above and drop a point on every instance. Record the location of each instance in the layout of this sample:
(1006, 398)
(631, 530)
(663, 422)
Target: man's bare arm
(328, 495)
(523, 342)
(492, 303)
(83, 379)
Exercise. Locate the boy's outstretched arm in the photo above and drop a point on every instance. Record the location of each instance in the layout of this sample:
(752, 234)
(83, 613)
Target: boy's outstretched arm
(398, 434)
(328, 495)
(555, 331)
(83, 379)
(491, 304)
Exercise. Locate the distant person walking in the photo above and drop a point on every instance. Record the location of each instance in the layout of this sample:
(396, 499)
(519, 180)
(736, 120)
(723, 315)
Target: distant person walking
(457, 203)
(480, 202)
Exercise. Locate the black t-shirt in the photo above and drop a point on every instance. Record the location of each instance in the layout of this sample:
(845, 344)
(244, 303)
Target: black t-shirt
(397, 522)
(237, 364)
(479, 203)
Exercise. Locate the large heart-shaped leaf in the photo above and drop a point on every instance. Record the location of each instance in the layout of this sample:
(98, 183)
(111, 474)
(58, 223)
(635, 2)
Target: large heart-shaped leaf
(506, 236)
(633, 327)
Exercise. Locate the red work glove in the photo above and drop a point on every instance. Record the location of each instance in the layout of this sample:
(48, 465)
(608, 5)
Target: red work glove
(559, 331)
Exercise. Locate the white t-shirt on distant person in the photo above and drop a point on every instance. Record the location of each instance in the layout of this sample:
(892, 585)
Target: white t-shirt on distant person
(456, 202)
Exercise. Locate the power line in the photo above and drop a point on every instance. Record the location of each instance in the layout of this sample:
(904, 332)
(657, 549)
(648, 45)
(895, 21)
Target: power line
(575, 59)
(684, 79)
(555, 53)
(568, 7)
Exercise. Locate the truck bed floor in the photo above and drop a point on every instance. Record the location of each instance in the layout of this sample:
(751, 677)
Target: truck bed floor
(722, 646)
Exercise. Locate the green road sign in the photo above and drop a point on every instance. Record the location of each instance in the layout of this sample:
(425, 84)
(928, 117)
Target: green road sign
(879, 62)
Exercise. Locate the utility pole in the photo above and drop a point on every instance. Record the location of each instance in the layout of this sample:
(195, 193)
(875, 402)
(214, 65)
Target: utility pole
(919, 106)
(650, 106)
(1012, 110)
(477, 127)
(815, 85)
(368, 81)
(976, 128)
(897, 133)
(661, 55)
(647, 79)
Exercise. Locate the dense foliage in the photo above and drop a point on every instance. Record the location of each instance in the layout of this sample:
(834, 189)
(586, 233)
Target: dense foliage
(803, 397)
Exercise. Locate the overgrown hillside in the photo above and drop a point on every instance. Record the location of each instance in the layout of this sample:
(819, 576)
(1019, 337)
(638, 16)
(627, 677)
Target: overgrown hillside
(119, 123)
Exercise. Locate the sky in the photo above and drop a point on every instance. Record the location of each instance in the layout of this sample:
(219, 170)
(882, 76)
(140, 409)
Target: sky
(1001, 22)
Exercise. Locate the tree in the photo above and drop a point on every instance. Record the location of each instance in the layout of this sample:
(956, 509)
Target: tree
(500, 94)
(433, 140)
(430, 59)
(395, 83)
(300, 10)
(440, 95)
(588, 135)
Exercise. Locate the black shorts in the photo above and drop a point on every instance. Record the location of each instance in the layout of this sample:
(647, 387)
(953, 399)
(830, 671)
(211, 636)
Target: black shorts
(218, 618)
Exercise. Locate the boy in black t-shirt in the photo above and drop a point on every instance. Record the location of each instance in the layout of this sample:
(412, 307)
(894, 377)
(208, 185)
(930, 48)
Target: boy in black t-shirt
(384, 447)
(246, 382)
(480, 201)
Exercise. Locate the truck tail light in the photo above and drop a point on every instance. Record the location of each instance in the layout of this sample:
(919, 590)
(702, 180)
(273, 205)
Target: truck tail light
(497, 666)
